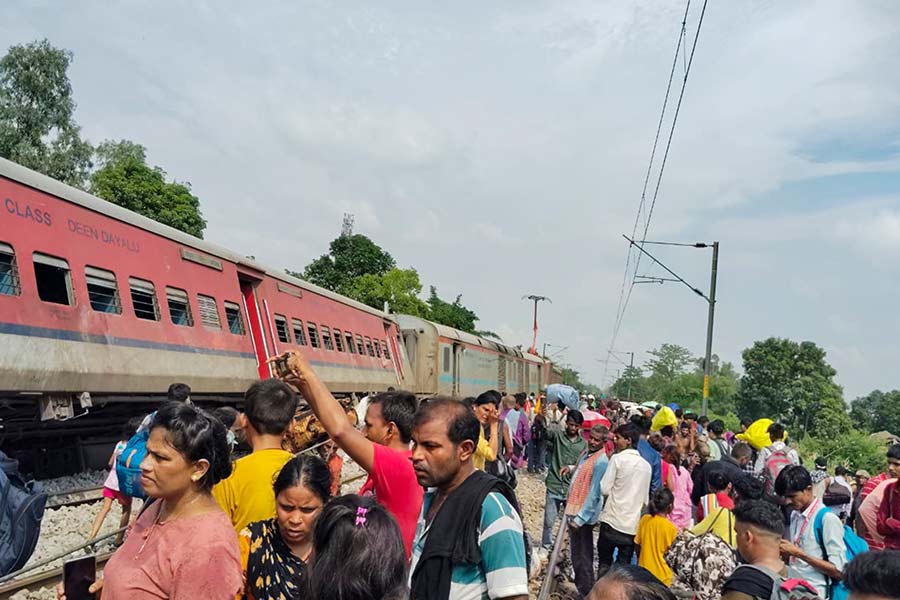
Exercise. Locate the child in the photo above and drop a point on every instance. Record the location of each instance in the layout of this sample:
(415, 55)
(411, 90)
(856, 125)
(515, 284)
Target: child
(356, 530)
(246, 495)
(329, 453)
(111, 485)
(655, 534)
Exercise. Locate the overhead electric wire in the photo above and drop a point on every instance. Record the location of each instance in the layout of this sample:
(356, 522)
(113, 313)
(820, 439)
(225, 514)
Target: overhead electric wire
(620, 310)
(625, 296)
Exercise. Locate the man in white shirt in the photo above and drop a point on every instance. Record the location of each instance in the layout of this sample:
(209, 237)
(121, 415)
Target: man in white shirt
(777, 434)
(811, 559)
(626, 484)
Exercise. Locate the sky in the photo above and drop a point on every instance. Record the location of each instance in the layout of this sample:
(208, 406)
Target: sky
(500, 148)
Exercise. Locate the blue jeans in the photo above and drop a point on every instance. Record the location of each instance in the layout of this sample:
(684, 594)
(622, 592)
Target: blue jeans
(552, 504)
(537, 454)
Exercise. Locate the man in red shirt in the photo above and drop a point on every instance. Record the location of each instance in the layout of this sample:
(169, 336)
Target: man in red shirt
(381, 449)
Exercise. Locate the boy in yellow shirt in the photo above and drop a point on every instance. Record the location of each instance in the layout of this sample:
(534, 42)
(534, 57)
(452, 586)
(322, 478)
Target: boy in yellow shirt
(246, 495)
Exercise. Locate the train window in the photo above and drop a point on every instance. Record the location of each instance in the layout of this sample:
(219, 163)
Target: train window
(369, 350)
(384, 349)
(103, 293)
(348, 337)
(281, 329)
(377, 348)
(9, 271)
(143, 297)
(209, 312)
(445, 360)
(179, 307)
(360, 349)
(54, 280)
(233, 316)
(313, 334)
(299, 334)
(326, 338)
(338, 340)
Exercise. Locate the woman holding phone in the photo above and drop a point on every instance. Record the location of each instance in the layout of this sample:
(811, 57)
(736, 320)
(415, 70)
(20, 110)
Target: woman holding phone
(183, 546)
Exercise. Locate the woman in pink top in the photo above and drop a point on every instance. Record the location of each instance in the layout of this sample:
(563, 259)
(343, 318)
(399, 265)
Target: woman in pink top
(183, 546)
(679, 482)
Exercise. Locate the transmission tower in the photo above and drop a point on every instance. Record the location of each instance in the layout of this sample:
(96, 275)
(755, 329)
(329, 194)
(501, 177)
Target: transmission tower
(347, 227)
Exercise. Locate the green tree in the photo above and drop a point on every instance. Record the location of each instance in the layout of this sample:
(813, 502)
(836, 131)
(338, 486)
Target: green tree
(125, 179)
(853, 449)
(666, 382)
(400, 288)
(669, 361)
(877, 411)
(630, 384)
(349, 257)
(792, 382)
(723, 385)
(573, 378)
(452, 314)
(113, 152)
(37, 125)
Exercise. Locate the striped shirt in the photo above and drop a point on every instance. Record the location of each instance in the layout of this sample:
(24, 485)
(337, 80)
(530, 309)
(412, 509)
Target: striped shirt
(502, 571)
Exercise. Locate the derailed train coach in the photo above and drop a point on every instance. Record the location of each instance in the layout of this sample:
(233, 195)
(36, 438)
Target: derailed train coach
(447, 361)
(101, 309)
(100, 306)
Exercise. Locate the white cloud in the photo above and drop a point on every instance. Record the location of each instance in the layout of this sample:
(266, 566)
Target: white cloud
(500, 150)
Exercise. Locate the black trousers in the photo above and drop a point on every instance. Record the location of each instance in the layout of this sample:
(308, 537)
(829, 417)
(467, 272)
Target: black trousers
(607, 543)
(581, 543)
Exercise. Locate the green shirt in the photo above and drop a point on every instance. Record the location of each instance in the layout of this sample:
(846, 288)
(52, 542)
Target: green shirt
(564, 451)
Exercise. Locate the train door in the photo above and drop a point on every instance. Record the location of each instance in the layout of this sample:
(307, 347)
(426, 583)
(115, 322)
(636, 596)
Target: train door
(251, 309)
(457, 367)
(501, 374)
(390, 338)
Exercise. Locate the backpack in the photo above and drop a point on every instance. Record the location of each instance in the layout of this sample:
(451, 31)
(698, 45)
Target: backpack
(835, 494)
(775, 463)
(128, 464)
(855, 545)
(786, 589)
(21, 510)
(723, 447)
(538, 430)
(700, 563)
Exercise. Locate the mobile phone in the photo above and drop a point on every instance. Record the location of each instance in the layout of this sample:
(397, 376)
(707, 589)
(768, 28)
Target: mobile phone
(78, 575)
(280, 363)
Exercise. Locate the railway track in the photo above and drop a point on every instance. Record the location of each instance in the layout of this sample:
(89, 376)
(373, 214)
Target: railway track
(75, 497)
(43, 579)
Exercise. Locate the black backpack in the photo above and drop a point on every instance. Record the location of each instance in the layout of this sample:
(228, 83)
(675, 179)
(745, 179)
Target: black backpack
(538, 430)
(21, 510)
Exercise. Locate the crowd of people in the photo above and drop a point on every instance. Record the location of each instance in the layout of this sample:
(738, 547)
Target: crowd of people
(648, 509)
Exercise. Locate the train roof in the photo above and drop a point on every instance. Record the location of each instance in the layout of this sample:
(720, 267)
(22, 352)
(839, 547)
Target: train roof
(41, 182)
(411, 322)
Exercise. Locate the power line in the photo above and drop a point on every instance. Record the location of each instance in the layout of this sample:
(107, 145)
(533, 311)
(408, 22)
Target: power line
(625, 297)
(620, 309)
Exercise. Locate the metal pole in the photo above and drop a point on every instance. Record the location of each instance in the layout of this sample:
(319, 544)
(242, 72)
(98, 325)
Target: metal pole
(631, 375)
(549, 577)
(709, 326)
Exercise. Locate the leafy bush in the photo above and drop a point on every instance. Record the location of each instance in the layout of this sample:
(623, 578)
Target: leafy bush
(853, 449)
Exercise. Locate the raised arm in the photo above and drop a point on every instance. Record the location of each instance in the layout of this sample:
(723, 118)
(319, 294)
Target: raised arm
(330, 412)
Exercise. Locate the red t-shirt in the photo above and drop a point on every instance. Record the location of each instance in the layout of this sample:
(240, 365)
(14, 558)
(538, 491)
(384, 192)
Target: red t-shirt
(393, 483)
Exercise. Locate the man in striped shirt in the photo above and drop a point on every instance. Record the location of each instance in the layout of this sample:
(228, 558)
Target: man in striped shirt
(469, 542)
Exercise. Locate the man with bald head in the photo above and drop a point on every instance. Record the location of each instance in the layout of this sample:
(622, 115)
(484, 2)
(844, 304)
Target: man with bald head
(469, 540)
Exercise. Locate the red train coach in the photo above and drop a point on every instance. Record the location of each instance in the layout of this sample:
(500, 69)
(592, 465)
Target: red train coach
(99, 304)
